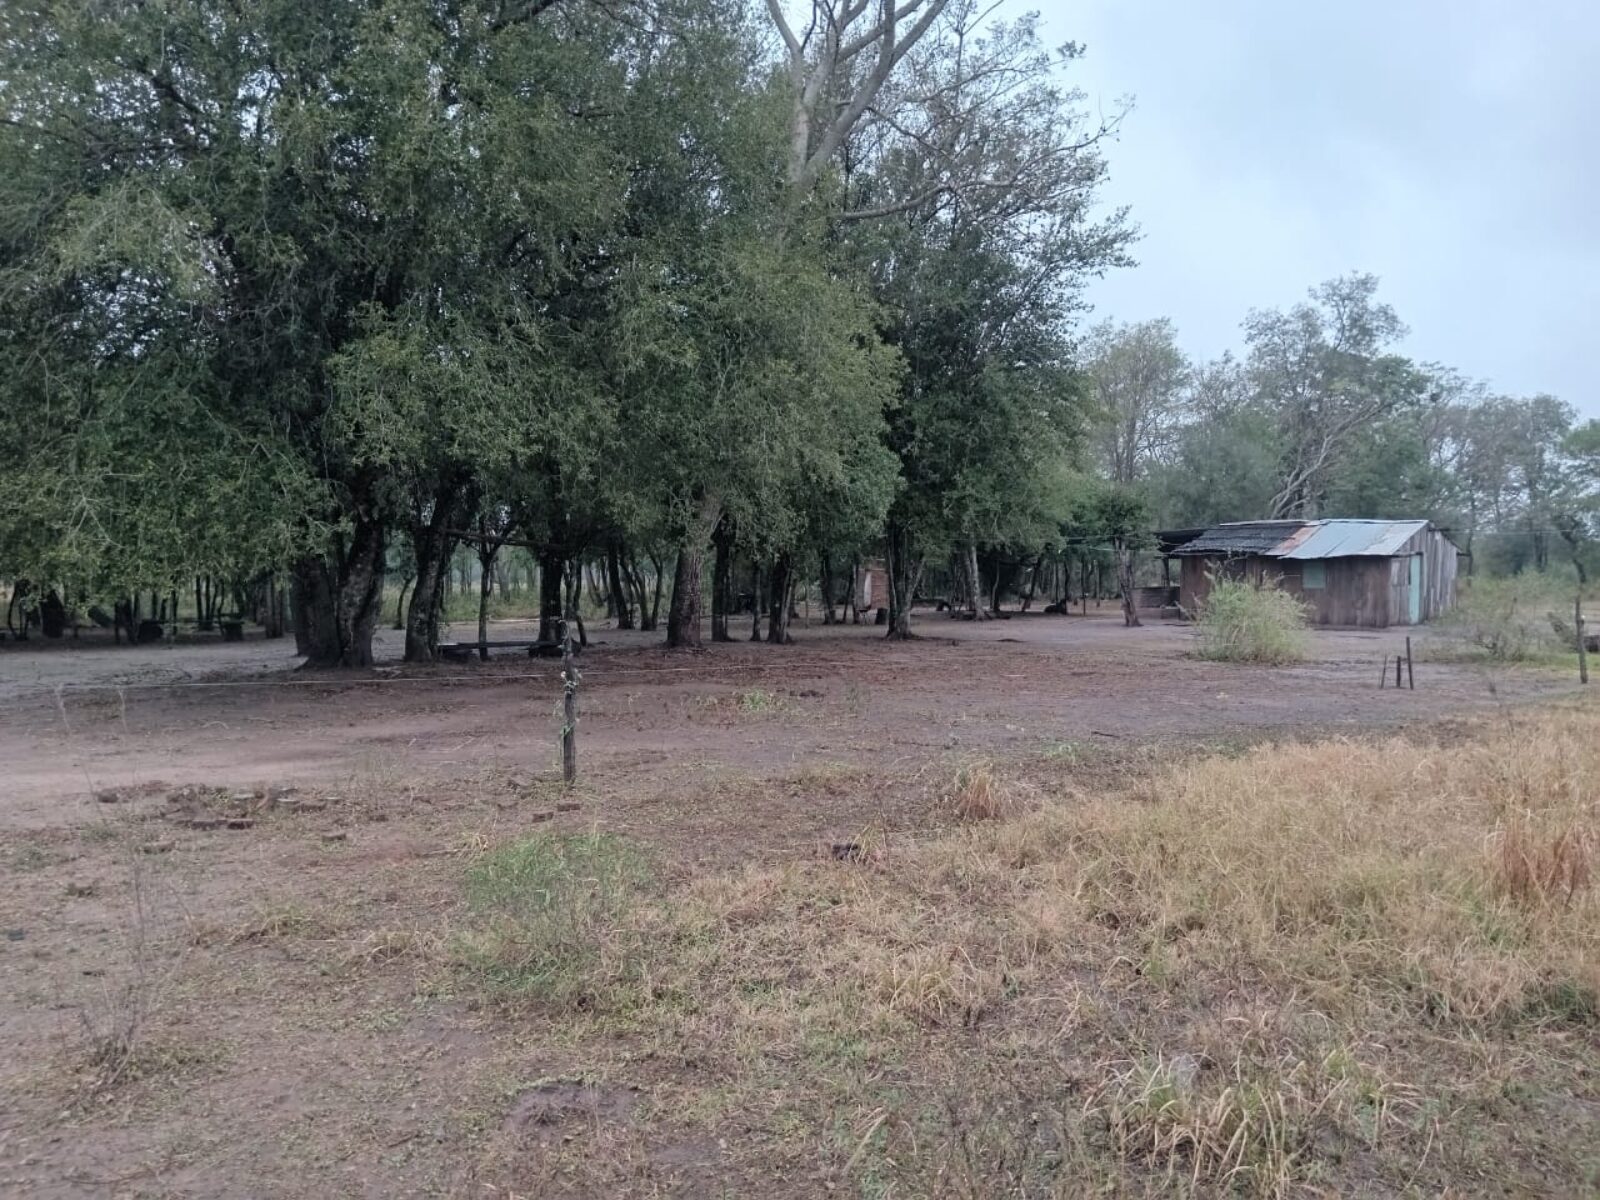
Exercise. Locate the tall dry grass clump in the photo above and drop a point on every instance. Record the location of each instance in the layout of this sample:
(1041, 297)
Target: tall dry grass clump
(978, 794)
(1244, 621)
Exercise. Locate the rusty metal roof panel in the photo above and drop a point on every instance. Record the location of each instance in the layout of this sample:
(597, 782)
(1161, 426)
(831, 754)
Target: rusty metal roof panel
(1347, 539)
(1241, 537)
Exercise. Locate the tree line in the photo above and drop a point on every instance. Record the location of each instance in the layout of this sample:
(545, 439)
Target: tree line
(705, 297)
(1319, 416)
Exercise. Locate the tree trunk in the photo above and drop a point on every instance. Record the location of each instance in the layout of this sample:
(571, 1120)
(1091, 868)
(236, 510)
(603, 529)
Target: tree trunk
(573, 612)
(502, 580)
(641, 596)
(360, 593)
(780, 593)
(975, 606)
(659, 567)
(903, 573)
(1033, 582)
(275, 615)
(827, 590)
(431, 546)
(338, 598)
(485, 577)
(552, 566)
(622, 606)
(315, 635)
(850, 594)
(1130, 609)
(400, 605)
(722, 580)
(683, 617)
(757, 603)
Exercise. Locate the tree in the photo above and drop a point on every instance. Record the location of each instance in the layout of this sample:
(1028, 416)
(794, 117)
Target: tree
(978, 190)
(320, 212)
(1118, 513)
(1139, 379)
(1323, 371)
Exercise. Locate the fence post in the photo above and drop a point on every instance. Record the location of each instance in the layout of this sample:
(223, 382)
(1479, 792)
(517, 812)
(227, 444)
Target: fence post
(569, 708)
(1577, 624)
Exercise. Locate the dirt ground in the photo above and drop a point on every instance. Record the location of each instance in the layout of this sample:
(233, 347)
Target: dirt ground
(240, 868)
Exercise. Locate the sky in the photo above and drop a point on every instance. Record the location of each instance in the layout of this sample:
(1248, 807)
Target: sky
(1451, 148)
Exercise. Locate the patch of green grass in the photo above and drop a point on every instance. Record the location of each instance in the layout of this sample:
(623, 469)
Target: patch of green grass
(759, 703)
(547, 910)
(103, 832)
(1068, 753)
(33, 857)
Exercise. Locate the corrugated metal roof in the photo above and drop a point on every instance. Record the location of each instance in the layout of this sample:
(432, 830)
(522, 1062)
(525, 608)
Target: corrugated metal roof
(1305, 539)
(1242, 537)
(1345, 539)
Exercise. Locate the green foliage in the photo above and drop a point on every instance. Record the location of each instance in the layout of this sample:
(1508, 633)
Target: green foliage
(545, 909)
(1245, 621)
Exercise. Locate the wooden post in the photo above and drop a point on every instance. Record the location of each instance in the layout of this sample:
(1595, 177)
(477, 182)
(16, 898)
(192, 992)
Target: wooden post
(569, 709)
(1411, 679)
(1398, 663)
(1383, 672)
(1577, 624)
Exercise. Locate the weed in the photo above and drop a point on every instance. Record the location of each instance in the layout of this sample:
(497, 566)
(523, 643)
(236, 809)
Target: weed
(856, 699)
(760, 703)
(113, 1021)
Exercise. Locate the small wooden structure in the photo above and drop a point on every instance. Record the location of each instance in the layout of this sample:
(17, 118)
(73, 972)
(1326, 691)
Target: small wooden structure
(872, 584)
(1363, 574)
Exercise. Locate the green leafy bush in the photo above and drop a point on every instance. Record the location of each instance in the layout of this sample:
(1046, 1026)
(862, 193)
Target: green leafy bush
(1241, 621)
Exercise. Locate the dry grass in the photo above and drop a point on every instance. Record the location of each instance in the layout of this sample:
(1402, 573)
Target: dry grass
(1265, 971)
(977, 794)
(1534, 866)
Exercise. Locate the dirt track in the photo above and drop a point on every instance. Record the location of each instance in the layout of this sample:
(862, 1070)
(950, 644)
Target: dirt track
(78, 719)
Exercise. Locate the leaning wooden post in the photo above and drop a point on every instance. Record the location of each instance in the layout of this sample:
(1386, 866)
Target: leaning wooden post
(1577, 624)
(1411, 679)
(569, 708)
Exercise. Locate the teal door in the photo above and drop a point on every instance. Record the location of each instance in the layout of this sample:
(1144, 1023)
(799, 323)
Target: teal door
(1414, 593)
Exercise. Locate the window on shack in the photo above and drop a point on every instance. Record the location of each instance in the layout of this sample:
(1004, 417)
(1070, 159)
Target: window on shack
(1314, 575)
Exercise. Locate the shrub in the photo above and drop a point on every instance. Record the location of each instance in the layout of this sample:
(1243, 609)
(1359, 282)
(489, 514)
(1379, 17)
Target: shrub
(1241, 621)
(1517, 619)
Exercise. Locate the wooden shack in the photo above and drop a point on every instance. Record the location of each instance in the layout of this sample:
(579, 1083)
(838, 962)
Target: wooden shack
(1360, 574)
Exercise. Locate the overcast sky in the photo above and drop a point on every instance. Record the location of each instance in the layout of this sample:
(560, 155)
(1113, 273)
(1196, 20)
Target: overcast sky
(1452, 148)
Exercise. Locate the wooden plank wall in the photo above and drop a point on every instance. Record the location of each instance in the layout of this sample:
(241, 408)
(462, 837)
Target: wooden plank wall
(1361, 593)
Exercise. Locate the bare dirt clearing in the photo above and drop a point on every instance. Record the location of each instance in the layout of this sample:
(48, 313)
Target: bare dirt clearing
(239, 955)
